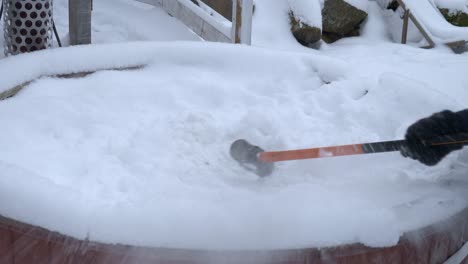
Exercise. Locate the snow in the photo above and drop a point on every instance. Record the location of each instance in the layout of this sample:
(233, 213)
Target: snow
(310, 11)
(274, 33)
(141, 156)
(124, 21)
(307, 11)
(394, 25)
(453, 5)
(429, 16)
(374, 28)
(433, 21)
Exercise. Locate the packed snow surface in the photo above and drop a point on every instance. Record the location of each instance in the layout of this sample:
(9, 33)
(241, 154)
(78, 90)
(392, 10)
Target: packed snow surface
(145, 151)
(141, 156)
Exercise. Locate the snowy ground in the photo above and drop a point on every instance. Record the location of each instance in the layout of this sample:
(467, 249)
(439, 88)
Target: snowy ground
(122, 21)
(141, 156)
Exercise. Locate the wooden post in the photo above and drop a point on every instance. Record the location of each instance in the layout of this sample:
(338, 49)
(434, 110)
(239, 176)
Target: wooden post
(423, 32)
(404, 34)
(79, 12)
(417, 24)
(242, 21)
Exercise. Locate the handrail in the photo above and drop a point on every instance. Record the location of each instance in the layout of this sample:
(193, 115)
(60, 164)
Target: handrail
(421, 29)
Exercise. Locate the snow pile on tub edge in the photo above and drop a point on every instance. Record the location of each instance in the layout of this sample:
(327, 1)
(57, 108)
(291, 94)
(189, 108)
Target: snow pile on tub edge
(18, 70)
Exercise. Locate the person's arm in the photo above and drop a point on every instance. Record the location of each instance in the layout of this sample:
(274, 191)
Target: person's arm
(437, 125)
(464, 115)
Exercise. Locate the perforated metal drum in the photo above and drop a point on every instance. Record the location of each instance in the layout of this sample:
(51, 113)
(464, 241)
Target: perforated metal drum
(27, 25)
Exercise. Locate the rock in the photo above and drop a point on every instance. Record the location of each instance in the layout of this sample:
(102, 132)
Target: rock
(340, 19)
(332, 37)
(393, 5)
(305, 34)
(457, 18)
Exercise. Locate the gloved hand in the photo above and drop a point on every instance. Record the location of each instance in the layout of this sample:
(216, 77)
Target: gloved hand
(437, 125)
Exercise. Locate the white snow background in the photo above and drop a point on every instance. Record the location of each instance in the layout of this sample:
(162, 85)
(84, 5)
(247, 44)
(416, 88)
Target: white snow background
(141, 156)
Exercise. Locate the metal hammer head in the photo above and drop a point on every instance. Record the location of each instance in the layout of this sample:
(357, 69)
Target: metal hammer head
(247, 156)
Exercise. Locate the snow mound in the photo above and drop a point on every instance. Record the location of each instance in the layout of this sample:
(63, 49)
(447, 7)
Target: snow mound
(141, 157)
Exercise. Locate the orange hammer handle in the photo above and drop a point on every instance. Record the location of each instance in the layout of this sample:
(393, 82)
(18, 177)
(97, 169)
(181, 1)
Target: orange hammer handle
(357, 149)
(311, 153)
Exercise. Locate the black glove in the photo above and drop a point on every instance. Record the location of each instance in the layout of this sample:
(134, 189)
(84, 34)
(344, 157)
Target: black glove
(437, 125)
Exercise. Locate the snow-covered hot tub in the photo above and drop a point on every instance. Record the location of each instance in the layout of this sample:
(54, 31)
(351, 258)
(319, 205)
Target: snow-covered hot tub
(123, 166)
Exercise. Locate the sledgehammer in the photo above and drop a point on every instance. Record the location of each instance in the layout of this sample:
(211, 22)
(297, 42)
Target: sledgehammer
(261, 162)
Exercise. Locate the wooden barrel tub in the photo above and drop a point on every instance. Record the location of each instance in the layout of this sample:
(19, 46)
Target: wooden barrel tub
(22, 243)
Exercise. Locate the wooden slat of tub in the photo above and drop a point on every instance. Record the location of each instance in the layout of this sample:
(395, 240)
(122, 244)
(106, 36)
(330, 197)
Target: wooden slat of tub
(427, 245)
(64, 250)
(6, 245)
(357, 253)
(29, 246)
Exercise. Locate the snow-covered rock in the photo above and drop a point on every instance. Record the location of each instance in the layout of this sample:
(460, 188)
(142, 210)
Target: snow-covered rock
(306, 21)
(359, 4)
(455, 12)
(452, 5)
(307, 11)
(455, 17)
(342, 19)
(305, 34)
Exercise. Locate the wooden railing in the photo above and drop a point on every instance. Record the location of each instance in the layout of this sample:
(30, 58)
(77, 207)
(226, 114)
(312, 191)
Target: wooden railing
(212, 28)
(408, 15)
(79, 16)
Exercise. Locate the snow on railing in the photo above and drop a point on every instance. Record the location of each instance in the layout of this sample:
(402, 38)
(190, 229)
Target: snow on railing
(212, 27)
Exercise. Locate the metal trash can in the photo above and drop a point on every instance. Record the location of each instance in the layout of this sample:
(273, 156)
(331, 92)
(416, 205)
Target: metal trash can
(27, 25)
